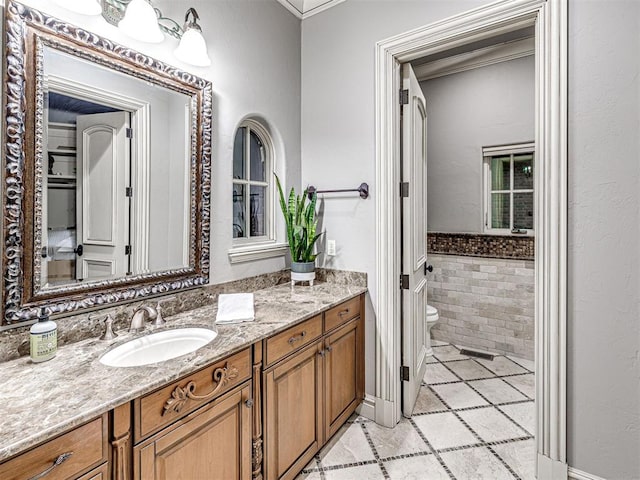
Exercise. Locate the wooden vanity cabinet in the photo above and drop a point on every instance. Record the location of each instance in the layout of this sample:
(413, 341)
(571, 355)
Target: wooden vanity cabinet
(199, 426)
(81, 453)
(312, 390)
(343, 375)
(293, 413)
(213, 442)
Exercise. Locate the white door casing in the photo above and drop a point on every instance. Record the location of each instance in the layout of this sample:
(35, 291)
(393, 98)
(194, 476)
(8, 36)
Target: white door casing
(102, 209)
(414, 236)
(550, 20)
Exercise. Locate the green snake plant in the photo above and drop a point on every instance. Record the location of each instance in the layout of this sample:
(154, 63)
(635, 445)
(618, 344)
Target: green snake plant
(300, 218)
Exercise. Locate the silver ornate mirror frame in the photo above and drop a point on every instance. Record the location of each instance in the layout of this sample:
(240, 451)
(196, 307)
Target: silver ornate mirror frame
(27, 32)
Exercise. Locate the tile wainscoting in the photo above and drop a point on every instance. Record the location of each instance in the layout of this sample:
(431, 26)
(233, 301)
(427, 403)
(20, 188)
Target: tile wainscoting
(484, 303)
(479, 245)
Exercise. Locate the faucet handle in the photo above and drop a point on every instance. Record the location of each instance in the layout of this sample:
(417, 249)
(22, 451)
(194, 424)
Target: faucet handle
(108, 334)
(159, 319)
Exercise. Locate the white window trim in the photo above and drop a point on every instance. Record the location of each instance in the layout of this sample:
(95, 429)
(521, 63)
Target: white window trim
(494, 151)
(247, 249)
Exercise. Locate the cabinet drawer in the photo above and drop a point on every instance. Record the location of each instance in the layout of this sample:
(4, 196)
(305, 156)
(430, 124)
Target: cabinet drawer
(100, 473)
(86, 444)
(164, 406)
(293, 338)
(342, 313)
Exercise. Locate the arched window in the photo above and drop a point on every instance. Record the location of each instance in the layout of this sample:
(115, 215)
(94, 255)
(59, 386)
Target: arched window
(252, 184)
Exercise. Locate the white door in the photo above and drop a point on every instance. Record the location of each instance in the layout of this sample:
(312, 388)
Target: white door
(102, 205)
(414, 241)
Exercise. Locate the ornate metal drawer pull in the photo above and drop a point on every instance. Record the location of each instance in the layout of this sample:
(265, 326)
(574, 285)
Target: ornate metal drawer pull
(58, 461)
(297, 338)
(344, 312)
(180, 395)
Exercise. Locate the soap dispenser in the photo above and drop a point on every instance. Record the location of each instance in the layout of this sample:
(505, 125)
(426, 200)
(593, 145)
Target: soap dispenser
(43, 338)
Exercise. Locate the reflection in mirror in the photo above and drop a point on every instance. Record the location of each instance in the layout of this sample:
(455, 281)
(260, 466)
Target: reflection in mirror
(116, 174)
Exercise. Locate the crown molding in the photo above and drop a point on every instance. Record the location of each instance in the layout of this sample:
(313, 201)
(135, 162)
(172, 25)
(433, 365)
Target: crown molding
(478, 58)
(306, 8)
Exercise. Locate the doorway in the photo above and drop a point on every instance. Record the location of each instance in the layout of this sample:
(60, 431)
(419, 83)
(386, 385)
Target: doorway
(550, 23)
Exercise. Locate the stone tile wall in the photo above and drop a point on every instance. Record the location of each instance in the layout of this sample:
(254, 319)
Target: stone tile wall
(479, 245)
(484, 303)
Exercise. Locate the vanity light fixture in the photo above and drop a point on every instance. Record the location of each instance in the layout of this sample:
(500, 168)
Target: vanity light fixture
(141, 23)
(193, 47)
(140, 20)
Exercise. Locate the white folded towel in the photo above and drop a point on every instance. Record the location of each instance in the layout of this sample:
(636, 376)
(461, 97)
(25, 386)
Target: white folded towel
(235, 308)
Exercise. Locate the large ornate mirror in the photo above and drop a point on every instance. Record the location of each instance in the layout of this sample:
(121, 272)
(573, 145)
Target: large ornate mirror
(107, 161)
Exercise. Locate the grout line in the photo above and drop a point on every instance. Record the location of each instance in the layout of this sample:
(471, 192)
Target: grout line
(485, 444)
(465, 409)
(516, 388)
(473, 432)
(375, 451)
(490, 402)
(349, 465)
(516, 363)
(435, 452)
(514, 422)
(405, 455)
(320, 467)
(506, 465)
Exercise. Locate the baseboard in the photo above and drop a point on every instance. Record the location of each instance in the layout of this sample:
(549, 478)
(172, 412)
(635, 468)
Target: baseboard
(549, 469)
(575, 474)
(368, 407)
(386, 413)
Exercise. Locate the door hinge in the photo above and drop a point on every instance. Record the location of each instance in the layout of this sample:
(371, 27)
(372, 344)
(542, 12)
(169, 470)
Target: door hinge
(404, 189)
(404, 97)
(129, 132)
(404, 373)
(404, 282)
(128, 192)
(127, 249)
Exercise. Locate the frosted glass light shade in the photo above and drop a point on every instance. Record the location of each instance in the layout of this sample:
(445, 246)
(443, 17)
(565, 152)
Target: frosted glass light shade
(84, 7)
(141, 23)
(193, 49)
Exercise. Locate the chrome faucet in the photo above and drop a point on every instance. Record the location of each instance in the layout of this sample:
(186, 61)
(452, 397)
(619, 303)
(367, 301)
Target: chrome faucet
(137, 321)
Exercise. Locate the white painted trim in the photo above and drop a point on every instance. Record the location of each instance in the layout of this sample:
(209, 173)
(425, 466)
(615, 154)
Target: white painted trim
(140, 123)
(550, 20)
(368, 407)
(548, 469)
(311, 7)
(257, 252)
(270, 155)
(575, 474)
(482, 57)
(306, 8)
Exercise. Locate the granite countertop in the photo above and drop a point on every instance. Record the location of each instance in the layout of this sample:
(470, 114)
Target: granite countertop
(40, 401)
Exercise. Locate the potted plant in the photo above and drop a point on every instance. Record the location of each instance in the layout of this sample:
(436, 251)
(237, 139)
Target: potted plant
(301, 222)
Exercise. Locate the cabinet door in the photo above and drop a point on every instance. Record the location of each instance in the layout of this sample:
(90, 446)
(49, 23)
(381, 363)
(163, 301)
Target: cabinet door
(344, 379)
(293, 413)
(213, 443)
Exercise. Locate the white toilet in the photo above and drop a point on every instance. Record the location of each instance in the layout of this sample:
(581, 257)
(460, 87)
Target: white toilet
(432, 318)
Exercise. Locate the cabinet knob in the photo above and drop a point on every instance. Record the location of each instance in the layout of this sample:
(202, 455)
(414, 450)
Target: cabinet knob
(329, 348)
(249, 403)
(322, 353)
(297, 338)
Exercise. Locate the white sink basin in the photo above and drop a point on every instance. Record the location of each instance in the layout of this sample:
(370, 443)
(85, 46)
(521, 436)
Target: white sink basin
(158, 347)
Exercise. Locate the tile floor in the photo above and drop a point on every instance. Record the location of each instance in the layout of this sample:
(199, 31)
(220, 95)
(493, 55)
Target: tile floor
(474, 419)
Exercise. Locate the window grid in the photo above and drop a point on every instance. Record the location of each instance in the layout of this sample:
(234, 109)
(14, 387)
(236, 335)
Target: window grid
(249, 128)
(511, 191)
